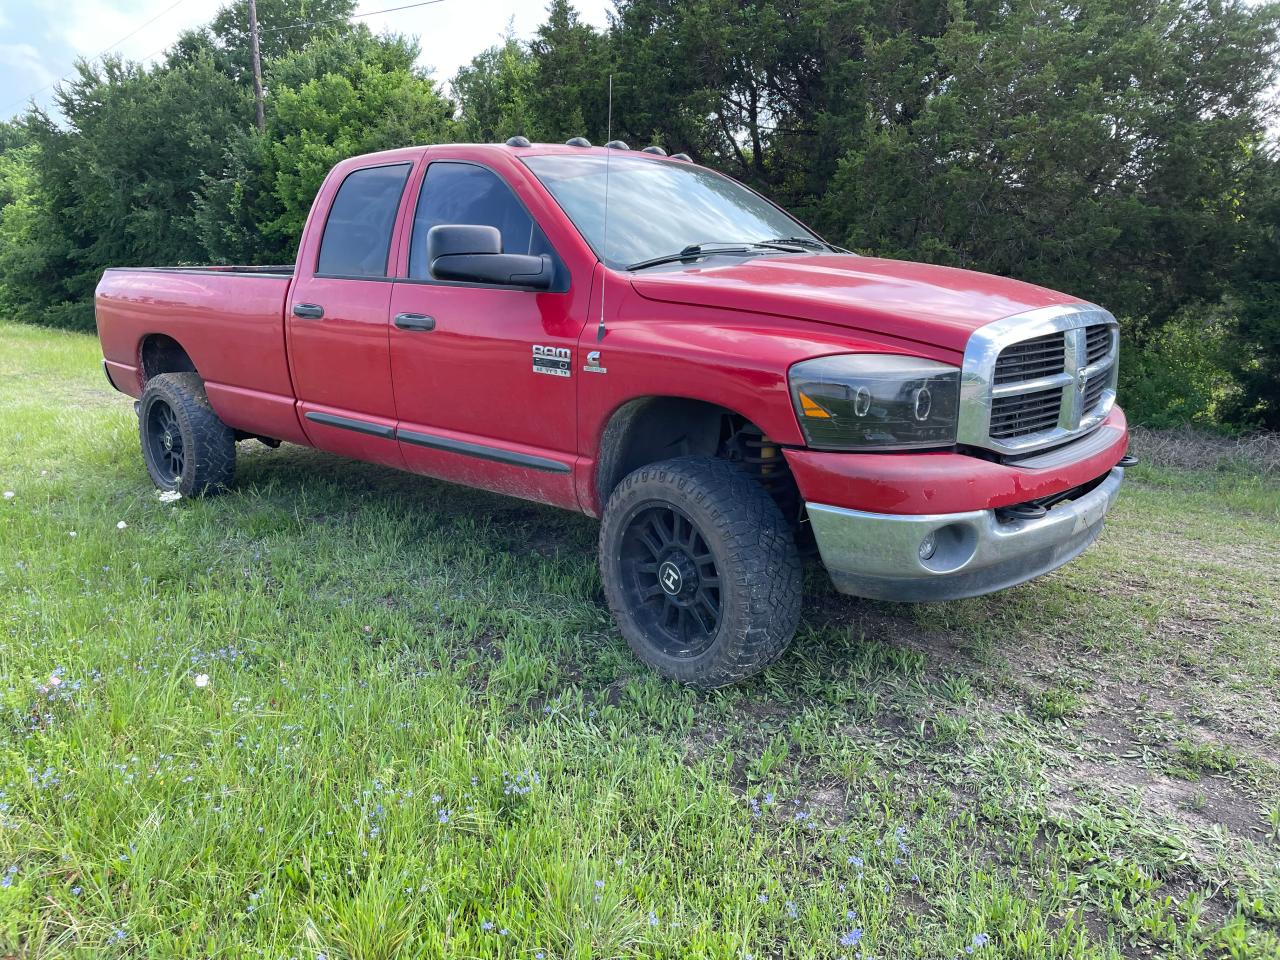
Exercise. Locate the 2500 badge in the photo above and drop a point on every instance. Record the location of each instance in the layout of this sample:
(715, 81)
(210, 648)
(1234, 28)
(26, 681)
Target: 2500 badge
(553, 361)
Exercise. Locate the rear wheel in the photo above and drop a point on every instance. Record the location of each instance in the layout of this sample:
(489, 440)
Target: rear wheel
(700, 570)
(185, 446)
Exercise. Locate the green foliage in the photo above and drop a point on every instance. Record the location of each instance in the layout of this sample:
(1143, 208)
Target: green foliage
(1095, 149)
(32, 255)
(1181, 372)
(285, 26)
(1113, 150)
(1256, 299)
(344, 94)
(494, 92)
(569, 59)
(113, 184)
(338, 98)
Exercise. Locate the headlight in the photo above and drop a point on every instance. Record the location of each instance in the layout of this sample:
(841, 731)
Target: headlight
(876, 401)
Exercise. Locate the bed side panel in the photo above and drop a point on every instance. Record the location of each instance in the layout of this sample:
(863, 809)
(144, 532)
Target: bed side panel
(231, 325)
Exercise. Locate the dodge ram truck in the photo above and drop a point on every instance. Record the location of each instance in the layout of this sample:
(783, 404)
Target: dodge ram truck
(637, 337)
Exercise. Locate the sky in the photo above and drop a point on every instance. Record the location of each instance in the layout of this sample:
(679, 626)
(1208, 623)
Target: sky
(41, 39)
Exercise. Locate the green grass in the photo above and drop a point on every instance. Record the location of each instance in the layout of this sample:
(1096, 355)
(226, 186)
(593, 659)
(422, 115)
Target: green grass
(422, 736)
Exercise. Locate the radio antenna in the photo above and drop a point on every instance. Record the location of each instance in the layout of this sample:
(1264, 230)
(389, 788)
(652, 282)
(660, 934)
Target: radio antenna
(604, 253)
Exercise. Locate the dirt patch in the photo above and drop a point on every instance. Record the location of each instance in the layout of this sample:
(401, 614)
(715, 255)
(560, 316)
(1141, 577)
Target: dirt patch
(1213, 802)
(870, 619)
(1109, 732)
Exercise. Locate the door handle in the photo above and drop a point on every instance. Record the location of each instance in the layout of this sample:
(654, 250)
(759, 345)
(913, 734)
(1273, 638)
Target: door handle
(415, 321)
(308, 311)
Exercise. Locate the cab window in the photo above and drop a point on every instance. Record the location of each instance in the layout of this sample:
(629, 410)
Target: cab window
(357, 234)
(464, 193)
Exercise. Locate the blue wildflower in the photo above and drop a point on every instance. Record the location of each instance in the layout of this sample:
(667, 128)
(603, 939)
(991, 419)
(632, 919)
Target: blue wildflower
(852, 938)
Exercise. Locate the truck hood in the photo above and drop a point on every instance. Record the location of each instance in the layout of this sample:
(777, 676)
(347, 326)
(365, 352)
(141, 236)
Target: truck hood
(914, 301)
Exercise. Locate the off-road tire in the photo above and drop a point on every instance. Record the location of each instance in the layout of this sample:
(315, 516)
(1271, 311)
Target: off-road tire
(755, 556)
(207, 458)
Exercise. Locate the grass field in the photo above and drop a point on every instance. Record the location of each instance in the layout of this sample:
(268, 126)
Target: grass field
(421, 735)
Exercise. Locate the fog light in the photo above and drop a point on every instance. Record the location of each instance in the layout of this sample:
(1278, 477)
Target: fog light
(927, 546)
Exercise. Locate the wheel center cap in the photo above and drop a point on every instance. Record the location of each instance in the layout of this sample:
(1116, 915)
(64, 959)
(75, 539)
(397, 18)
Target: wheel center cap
(168, 441)
(670, 578)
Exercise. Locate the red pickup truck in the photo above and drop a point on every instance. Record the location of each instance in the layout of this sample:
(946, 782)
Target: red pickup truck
(639, 338)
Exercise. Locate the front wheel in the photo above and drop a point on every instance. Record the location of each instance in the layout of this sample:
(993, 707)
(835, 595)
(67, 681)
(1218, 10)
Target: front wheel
(700, 570)
(185, 446)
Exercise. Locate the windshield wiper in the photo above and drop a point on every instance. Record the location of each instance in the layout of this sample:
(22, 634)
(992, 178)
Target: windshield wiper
(695, 250)
(811, 242)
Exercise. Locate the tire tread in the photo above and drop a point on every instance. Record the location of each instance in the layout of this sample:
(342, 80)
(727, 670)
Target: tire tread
(211, 441)
(760, 549)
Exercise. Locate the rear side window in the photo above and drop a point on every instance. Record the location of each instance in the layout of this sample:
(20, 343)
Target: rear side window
(357, 235)
(463, 193)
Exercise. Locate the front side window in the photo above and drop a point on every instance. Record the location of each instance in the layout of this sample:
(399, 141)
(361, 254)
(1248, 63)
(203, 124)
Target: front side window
(657, 207)
(463, 193)
(357, 235)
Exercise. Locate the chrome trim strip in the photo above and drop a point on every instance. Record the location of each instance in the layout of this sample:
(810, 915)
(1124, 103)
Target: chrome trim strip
(977, 378)
(1031, 386)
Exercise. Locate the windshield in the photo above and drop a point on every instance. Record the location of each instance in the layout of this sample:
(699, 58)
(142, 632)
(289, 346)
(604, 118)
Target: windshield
(657, 207)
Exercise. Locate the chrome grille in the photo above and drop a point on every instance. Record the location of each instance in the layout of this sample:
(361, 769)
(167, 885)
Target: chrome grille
(1097, 342)
(1093, 392)
(1031, 359)
(1038, 379)
(1026, 413)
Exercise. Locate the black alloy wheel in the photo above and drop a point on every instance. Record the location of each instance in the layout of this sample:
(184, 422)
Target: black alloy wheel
(164, 438)
(700, 569)
(186, 447)
(671, 579)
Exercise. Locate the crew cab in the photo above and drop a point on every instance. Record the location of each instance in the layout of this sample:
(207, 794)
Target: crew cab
(639, 338)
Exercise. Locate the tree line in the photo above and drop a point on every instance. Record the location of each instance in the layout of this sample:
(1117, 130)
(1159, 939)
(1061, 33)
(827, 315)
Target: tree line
(1115, 149)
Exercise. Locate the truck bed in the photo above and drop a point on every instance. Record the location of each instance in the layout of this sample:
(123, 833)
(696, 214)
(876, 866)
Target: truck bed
(240, 354)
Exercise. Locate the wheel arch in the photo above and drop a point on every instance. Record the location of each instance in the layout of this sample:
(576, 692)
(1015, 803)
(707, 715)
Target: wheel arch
(648, 429)
(160, 353)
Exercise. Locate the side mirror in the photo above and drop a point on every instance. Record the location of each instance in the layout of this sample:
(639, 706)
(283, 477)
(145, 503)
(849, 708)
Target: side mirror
(473, 254)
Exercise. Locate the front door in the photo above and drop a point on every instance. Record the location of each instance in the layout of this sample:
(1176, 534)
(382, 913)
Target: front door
(484, 375)
(337, 319)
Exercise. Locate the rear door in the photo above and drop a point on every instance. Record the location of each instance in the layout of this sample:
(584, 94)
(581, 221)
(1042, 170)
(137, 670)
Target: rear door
(337, 315)
(484, 375)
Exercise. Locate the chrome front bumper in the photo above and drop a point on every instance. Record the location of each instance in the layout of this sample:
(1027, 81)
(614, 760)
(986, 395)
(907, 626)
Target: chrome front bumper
(878, 555)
